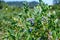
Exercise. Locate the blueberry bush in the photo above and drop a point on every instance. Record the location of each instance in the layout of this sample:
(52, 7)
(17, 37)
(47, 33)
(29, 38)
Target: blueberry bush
(39, 23)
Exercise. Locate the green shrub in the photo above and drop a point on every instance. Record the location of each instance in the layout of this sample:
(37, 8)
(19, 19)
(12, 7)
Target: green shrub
(28, 24)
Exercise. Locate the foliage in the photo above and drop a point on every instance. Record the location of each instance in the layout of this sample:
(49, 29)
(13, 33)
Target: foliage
(39, 23)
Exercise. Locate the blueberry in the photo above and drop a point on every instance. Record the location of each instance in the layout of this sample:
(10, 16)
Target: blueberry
(30, 29)
(31, 20)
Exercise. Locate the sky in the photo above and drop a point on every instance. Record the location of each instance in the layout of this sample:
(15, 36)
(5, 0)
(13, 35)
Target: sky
(13, 0)
(49, 2)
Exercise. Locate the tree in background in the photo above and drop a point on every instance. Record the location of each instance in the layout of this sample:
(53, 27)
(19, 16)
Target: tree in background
(2, 3)
(56, 1)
